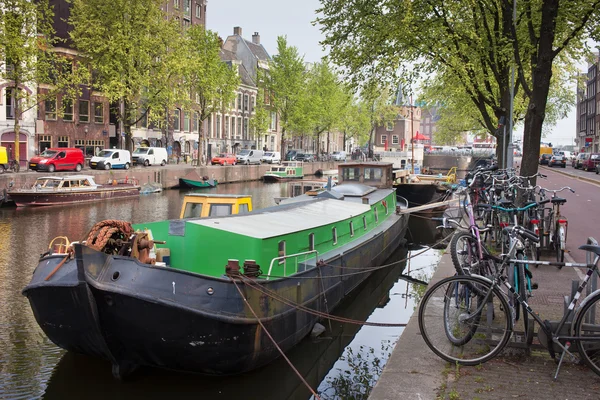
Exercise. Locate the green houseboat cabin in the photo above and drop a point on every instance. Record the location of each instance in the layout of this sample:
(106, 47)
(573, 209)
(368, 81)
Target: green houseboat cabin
(312, 226)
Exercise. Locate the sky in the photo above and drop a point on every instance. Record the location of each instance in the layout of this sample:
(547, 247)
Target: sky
(273, 18)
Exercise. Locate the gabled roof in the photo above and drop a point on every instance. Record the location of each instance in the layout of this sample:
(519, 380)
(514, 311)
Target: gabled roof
(258, 50)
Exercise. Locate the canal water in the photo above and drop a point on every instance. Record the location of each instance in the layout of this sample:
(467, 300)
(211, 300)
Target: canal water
(337, 363)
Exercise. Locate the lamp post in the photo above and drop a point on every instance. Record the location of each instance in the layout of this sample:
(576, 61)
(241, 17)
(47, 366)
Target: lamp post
(85, 132)
(509, 147)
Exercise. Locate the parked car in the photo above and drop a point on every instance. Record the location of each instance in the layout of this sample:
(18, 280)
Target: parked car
(557, 161)
(224, 159)
(305, 157)
(567, 154)
(292, 154)
(247, 156)
(590, 161)
(545, 158)
(58, 159)
(578, 161)
(271, 157)
(150, 156)
(339, 155)
(111, 158)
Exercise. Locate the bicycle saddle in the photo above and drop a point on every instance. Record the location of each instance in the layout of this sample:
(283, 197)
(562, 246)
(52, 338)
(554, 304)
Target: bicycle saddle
(558, 200)
(590, 247)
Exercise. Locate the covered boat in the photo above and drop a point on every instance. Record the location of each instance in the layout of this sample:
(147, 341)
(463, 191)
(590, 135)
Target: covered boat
(206, 182)
(57, 190)
(288, 170)
(227, 282)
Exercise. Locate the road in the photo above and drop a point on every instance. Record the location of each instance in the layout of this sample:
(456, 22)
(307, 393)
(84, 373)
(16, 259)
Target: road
(582, 207)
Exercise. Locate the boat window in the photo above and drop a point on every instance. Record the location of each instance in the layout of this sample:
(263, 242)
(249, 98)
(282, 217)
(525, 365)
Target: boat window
(350, 174)
(281, 251)
(376, 215)
(385, 206)
(86, 183)
(66, 184)
(373, 174)
(243, 208)
(192, 210)
(219, 210)
(311, 242)
(334, 234)
(365, 222)
(351, 228)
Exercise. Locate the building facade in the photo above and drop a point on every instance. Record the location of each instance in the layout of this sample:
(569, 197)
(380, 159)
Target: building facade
(398, 134)
(588, 109)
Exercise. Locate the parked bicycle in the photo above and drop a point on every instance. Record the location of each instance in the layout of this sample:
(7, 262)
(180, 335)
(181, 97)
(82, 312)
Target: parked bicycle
(467, 319)
(556, 224)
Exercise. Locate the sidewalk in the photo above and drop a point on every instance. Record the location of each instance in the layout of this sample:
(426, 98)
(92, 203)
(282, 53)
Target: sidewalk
(414, 372)
(574, 173)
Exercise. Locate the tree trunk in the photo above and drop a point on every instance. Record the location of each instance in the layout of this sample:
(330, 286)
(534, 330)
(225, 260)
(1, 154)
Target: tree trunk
(17, 125)
(500, 144)
(541, 75)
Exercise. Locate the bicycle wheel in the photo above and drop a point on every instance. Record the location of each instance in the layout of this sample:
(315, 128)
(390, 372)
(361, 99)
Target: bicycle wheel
(587, 329)
(464, 250)
(464, 320)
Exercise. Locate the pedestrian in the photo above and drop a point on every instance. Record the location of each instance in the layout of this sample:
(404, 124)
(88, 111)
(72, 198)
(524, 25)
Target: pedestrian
(265, 147)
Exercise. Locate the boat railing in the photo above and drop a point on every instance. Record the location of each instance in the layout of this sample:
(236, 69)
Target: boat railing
(283, 258)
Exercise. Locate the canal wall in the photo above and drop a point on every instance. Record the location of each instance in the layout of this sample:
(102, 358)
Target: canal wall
(167, 176)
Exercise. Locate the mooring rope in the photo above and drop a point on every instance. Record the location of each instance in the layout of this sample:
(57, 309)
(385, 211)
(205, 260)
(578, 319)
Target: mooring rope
(275, 343)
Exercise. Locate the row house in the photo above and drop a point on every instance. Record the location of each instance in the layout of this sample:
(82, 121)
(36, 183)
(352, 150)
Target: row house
(588, 109)
(397, 134)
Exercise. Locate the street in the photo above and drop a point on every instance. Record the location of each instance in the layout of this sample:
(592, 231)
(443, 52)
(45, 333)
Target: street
(581, 208)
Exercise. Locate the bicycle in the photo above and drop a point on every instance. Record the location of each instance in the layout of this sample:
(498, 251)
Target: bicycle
(556, 223)
(465, 319)
(13, 165)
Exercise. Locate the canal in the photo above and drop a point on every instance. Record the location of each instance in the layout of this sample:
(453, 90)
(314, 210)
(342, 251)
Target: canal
(32, 367)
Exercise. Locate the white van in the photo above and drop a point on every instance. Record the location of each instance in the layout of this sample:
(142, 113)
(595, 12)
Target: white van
(111, 158)
(271, 157)
(249, 156)
(338, 156)
(150, 156)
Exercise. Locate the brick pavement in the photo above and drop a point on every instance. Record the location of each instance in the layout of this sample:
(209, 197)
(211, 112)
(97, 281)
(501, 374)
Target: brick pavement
(414, 372)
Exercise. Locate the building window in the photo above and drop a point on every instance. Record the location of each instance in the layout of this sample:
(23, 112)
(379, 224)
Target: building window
(63, 141)
(334, 236)
(226, 127)
(84, 111)
(176, 4)
(218, 126)
(67, 105)
(196, 119)
(50, 109)
(311, 242)
(245, 102)
(273, 124)
(186, 121)
(239, 101)
(198, 11)
(188, 7)
(394, 139)
(44, 142)
(389, 126)
(10, 103)
(252, 103)
(232, 127)
(365, 222)
(239, 127)
(176, 120)
(383, 139)
(99, 113)
(351, 229)
(245, 128)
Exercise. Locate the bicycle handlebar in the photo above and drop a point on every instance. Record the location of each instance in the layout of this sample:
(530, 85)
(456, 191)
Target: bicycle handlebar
(558, 190)
(525, 208)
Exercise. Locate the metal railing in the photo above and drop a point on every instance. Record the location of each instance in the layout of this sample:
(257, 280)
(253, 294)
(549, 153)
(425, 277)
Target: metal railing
(285, 263)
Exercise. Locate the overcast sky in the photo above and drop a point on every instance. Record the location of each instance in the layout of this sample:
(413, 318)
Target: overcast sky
(273, 18)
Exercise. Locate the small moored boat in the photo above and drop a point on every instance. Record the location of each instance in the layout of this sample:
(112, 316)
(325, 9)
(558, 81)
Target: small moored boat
(57, 190)
(286, 171)
(206, 182)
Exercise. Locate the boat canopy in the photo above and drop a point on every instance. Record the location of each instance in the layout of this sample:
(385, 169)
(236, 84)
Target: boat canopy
(299, 217)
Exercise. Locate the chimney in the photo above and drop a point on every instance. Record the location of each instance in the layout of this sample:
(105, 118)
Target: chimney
(237, 31)
(256, 38)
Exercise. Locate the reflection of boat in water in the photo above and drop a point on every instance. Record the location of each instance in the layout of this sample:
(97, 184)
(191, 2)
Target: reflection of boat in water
(151, 187)
(113, 300)
(67, 189)
(82, 377)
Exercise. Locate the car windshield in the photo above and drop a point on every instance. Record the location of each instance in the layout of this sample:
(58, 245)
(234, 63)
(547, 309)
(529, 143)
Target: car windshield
(141, 150)
(244, 153)
(595, 156)
(268, 154)
(222, 155)
(48, 153)
(105, 154)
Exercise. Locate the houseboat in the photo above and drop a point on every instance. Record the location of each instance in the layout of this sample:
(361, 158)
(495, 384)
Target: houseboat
(288, 170)
(235, 289)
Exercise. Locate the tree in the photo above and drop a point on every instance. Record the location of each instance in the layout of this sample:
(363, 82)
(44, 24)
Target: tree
(210, 82)
(261, 116)
(134, 52)
(27, 58)
(286, 83)
(354, 119)
(378, 109)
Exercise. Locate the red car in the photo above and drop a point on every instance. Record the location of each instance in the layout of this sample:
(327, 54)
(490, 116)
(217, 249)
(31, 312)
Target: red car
(224, 159)
(590, 161)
